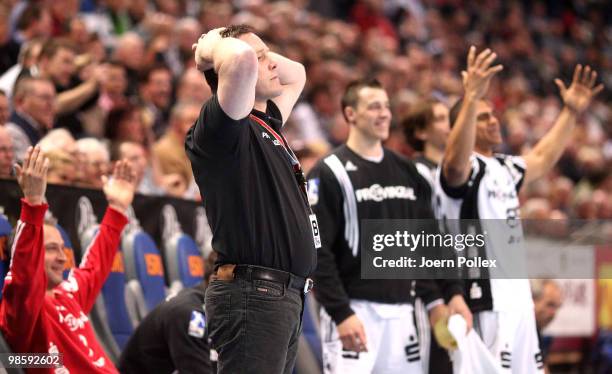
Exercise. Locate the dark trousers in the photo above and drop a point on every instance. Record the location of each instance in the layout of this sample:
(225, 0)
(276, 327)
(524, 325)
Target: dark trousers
(254, 325)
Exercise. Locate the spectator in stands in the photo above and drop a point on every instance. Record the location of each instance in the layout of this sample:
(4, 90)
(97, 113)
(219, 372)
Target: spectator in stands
(57, 63)
(28, 57)
(129, 51)
(9, 49)
(95, 161)
(34, 22)
(172, 337)
(156, 95)
(40, 312)
(6, 153)
(33, 113)
(112, 97)
(191, 87)
(64, 160)
(127, 123)
(170, 148)
(547, 299)
(179, 56)
(149, 180)
(4, 108)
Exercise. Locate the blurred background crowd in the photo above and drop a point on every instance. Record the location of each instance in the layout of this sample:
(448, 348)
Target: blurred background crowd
(94, 81)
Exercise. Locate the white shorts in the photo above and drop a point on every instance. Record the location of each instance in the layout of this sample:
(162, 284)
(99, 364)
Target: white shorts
(392, 340)
(512, 339)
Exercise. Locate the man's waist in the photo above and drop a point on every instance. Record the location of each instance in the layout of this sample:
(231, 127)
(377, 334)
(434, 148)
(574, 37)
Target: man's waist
(252, 272)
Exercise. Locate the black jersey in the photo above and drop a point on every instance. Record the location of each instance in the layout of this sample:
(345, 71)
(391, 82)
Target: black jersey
(172, 338)
(345, 188)
(257, 211)
(490, 197)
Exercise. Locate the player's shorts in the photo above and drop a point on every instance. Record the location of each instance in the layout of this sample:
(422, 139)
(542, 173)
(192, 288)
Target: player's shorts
(434, 359)
(392, 341)
(512, 339)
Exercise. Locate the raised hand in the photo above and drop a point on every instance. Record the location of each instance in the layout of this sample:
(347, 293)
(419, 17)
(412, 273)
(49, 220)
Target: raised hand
(120, 187)
(32, 176)
(582, 90)
(479, 72)
(204, 48)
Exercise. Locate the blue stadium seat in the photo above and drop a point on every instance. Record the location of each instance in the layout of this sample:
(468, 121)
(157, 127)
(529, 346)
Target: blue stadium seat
(184, 261)
(113, 294)
(145, 273)
(182, 256)
(5, 232)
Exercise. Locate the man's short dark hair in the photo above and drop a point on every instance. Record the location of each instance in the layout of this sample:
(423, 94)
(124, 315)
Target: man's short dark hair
(53, 45)
(418, 118)
(232, 31)
(351, 93)
(31, 14)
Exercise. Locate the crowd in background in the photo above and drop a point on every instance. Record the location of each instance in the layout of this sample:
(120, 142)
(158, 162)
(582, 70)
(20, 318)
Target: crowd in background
(95, 81)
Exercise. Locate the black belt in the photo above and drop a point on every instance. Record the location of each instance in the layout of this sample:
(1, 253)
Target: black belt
(250, 272)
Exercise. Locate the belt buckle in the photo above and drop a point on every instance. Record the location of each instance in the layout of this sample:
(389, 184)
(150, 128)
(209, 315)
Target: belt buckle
(308, 285)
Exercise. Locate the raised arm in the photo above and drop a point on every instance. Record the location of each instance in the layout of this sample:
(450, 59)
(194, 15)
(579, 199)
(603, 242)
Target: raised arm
(292, 76)
(26, 283)
(462, 138)
(576, 99)
(98, 258)
(235, 62)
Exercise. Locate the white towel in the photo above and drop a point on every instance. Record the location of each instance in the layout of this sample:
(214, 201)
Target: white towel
(471, 355)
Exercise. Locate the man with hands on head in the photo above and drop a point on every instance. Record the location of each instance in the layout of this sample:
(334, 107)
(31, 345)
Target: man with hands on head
(475, 183)
(254, 193)
(40, 312)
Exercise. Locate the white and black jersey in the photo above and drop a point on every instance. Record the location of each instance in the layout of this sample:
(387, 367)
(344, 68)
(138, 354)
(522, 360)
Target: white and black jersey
(490, 196)
(427, 168)
(344, 189)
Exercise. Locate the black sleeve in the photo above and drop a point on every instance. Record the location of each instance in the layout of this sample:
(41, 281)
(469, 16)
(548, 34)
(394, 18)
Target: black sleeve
(190, 354)
(214, 131)
(459, 192)
(326, 199)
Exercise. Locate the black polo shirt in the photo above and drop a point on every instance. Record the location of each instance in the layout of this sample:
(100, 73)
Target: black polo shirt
(255, 207)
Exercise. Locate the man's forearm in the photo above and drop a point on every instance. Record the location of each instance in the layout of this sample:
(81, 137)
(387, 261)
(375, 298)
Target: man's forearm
(549, 149)
(71, 100)
(289, 72)
(460, 144)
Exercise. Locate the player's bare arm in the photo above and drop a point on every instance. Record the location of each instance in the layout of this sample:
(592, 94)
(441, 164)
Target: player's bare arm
(292, 77)
(462, 138)
(576, 99)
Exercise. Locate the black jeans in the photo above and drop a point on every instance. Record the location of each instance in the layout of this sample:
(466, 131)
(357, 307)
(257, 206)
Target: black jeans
(254, 325)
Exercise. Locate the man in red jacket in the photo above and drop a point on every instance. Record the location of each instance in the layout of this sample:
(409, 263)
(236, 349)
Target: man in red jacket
(41, 313)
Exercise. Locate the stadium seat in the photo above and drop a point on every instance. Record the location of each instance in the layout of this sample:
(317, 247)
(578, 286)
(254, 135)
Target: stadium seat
(183, 259)
(109, 316)
(144, 270)
(5, 232)
(310, 356)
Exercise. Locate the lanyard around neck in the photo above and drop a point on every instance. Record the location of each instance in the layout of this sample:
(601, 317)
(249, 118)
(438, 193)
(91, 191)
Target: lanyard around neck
(295, 163)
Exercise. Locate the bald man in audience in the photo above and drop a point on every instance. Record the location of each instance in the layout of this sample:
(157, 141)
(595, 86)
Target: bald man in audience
(6, 153)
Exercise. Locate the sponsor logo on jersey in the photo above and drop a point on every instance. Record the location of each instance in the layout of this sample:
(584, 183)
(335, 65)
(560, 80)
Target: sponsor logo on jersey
(378, 193)
(265, 135)
(313, 191)
(196, 324)
(350, 166)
